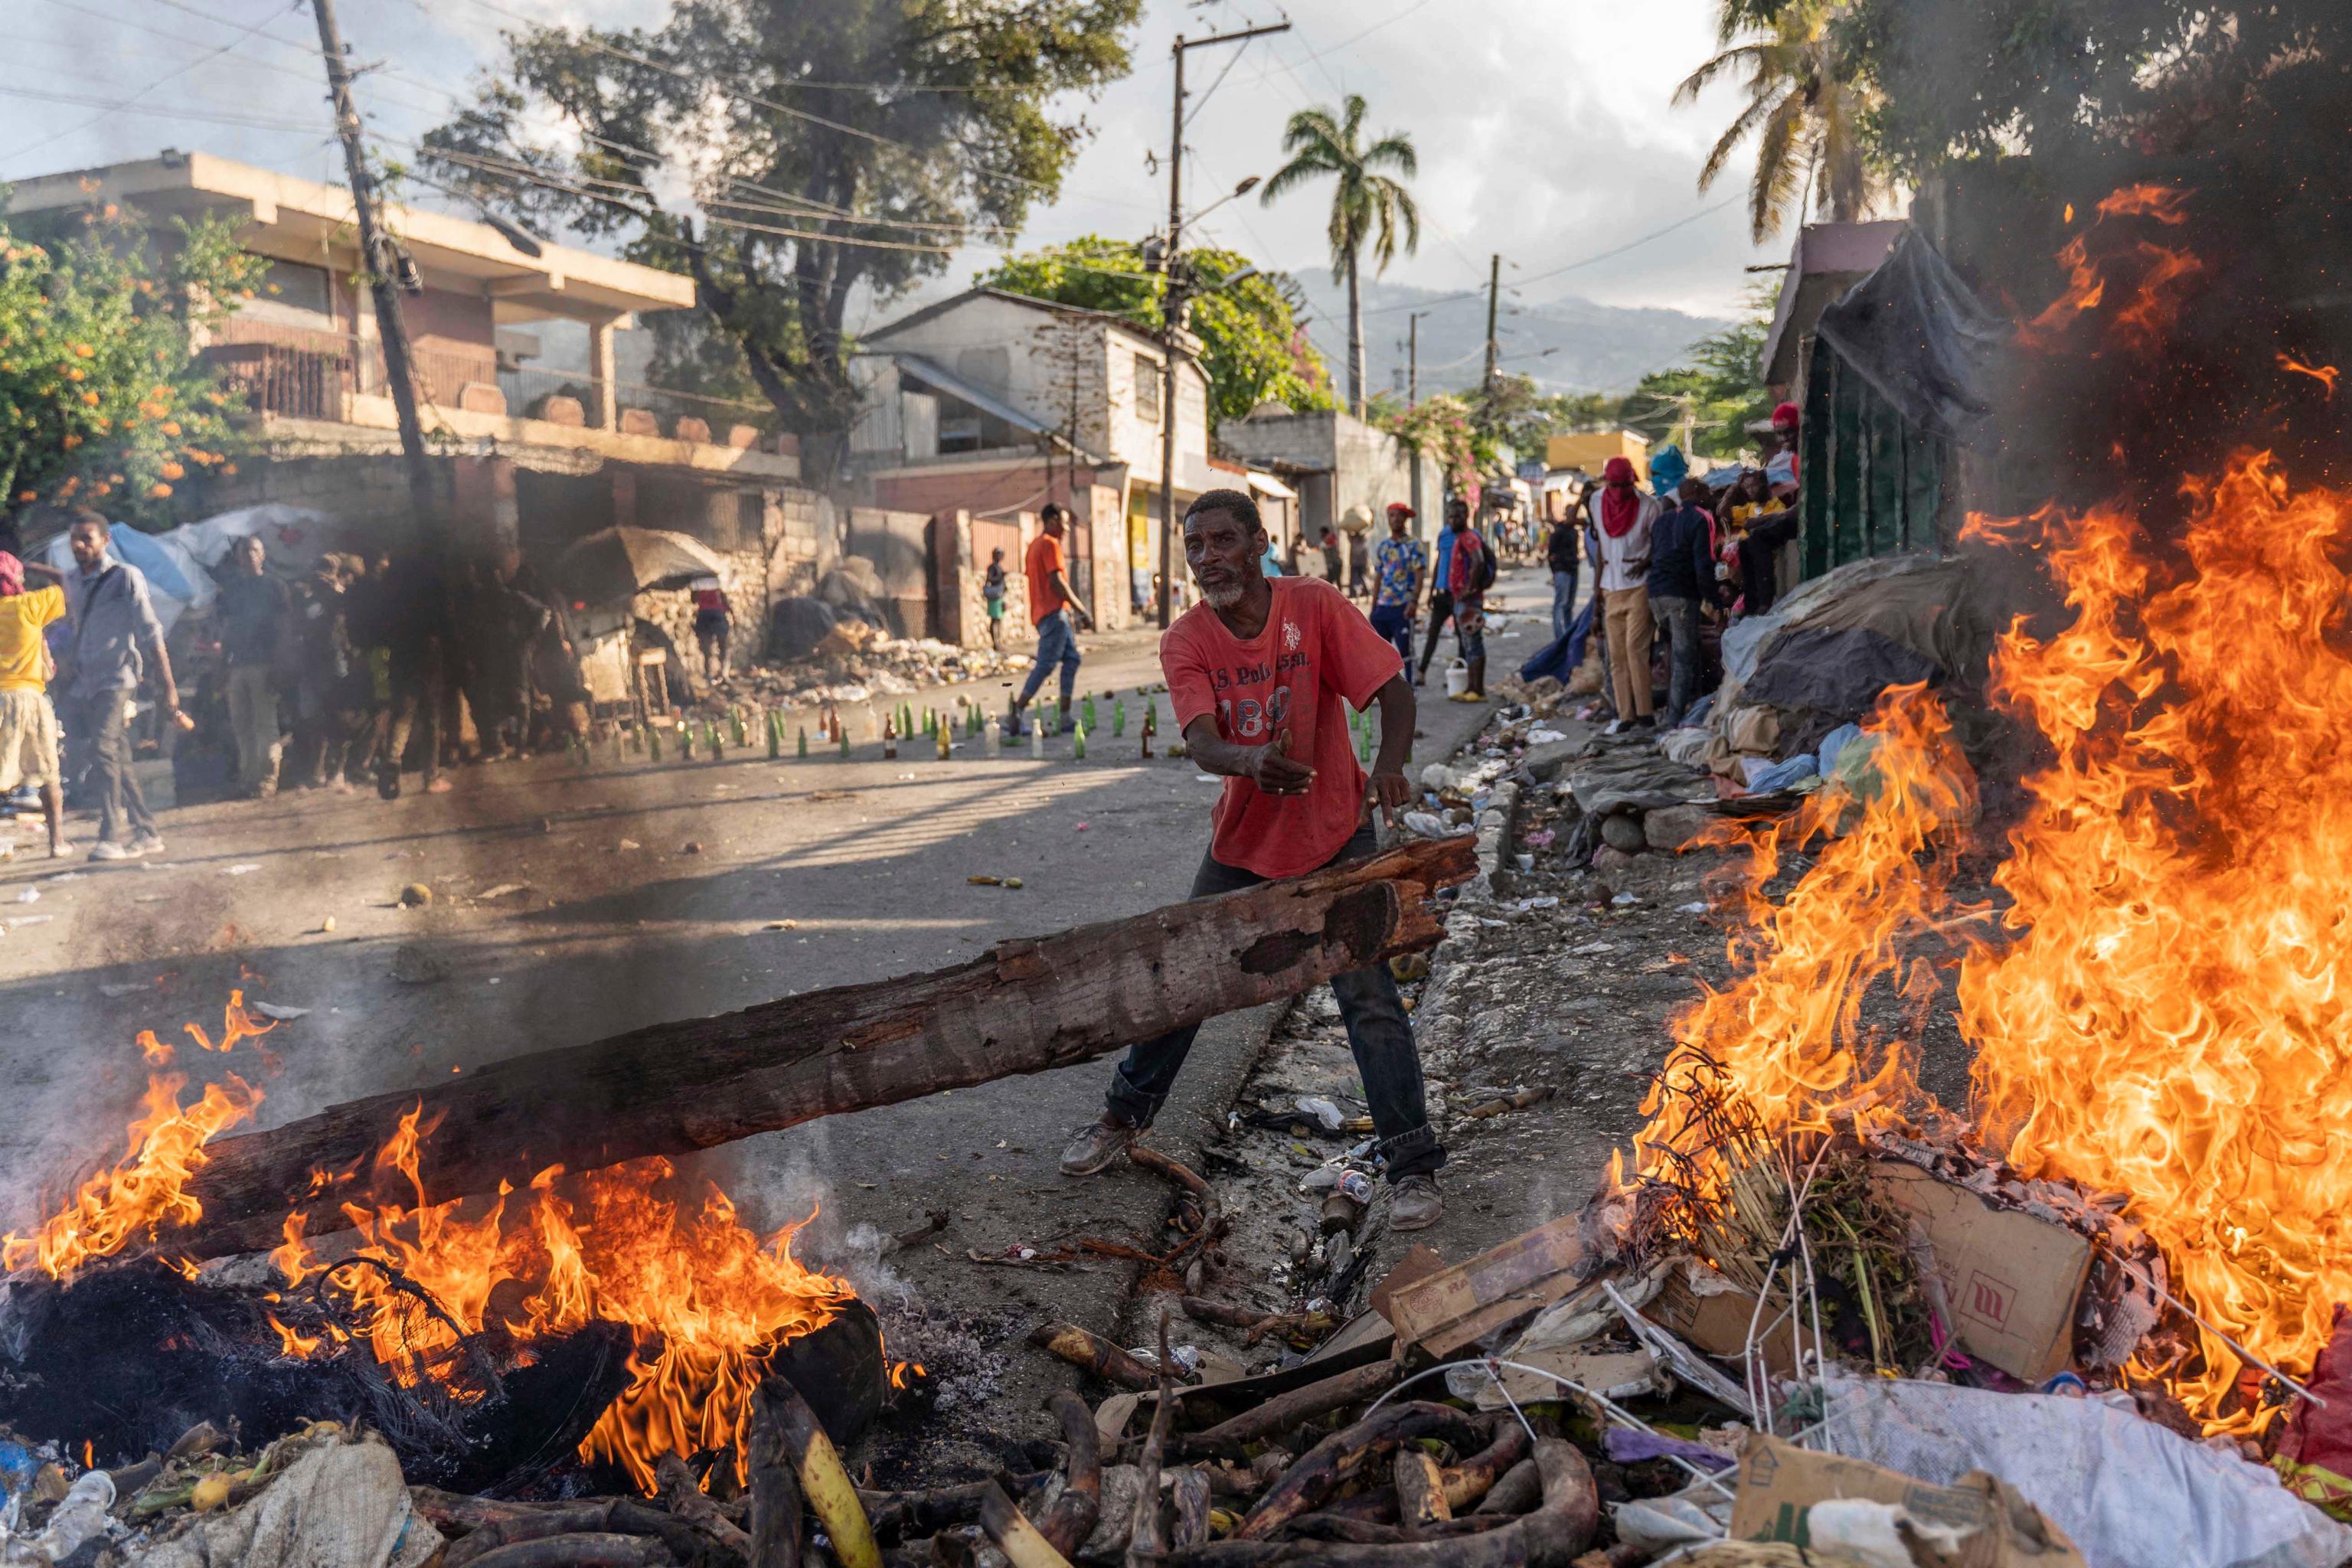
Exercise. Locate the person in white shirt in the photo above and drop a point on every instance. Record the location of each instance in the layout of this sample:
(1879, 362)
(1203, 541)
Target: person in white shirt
(1622, 516)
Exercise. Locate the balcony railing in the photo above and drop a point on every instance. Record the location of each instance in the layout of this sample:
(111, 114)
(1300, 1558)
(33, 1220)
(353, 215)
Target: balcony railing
(304, 374)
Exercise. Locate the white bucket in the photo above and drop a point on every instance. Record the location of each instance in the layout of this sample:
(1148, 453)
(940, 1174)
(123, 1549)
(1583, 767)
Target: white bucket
(1457, 678)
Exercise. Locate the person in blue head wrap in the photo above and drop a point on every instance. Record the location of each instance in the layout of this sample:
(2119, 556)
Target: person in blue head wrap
(1668, 470)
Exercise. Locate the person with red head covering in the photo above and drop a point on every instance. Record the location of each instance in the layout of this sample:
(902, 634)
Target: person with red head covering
(28, 724)
(1786, 421)
(1622, 516)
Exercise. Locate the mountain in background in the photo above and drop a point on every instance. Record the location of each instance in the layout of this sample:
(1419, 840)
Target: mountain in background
(1592, 348)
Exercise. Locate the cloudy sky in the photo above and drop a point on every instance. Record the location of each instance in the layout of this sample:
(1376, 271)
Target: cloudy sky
(1544, 126)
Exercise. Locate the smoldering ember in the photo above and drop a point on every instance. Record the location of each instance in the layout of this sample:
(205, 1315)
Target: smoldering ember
(612, 948)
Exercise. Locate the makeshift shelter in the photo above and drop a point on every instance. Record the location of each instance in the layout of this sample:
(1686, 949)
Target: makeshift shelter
(1894, 390)
(600, 576)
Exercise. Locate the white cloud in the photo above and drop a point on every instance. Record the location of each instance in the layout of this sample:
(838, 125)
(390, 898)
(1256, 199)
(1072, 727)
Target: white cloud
(1544, 126)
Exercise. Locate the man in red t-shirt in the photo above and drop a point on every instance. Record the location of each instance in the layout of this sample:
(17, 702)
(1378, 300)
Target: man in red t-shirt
(1262, 673)
(1052, 602)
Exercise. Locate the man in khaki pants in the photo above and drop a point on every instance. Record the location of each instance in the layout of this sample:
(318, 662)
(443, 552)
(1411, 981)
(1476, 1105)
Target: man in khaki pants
(1622, 516)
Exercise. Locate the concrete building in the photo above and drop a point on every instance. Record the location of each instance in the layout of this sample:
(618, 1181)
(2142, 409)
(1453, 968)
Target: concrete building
(1336, 462)
(992, 405)
(526, 455)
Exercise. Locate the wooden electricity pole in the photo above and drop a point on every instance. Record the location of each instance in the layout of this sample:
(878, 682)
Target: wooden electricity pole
(1172, 311)
(377, 260)
(1494, 298)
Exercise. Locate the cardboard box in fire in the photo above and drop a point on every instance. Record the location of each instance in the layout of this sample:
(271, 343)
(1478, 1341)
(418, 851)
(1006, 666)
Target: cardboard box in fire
(2011, 1283)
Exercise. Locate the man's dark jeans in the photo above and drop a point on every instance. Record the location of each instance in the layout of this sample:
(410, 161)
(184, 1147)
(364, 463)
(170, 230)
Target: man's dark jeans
(1379, 1032)
(101, 732)
(1389, 623)
(1441, 610)
(1678, 618)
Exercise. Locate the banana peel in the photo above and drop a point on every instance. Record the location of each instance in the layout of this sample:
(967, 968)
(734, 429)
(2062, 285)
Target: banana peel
(823, 1481)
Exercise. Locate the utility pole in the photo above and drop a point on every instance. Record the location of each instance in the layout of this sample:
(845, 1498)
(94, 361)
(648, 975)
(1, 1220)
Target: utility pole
(1172, 311)
(1493, 298)
(377, 260)
(1412, 362)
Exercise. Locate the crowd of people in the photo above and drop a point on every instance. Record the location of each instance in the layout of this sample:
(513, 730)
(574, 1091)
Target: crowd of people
(352, 675)
(1679, 561)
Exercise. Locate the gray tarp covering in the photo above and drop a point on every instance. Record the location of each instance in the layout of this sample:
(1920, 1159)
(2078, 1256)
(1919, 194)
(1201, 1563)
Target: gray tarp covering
(1837, 672)
(1923, 341)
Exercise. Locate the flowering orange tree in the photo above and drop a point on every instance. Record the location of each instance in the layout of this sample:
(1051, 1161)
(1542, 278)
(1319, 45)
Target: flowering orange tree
(102, 399)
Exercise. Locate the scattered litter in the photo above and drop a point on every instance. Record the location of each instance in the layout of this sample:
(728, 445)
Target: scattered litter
(782, 925)
(691, 847)
(29, 894)
(1622, 899)
(416, 895)
(1547, 901)
(327, 926)
(1696, 907)
(628, 843)
(501, 891)
(1544, 737)
(1624, 1446)
(245, 869)
(1589, 948)
(2125, 1489)
(1332, 1118)
(1541, 838)
(278, 1011)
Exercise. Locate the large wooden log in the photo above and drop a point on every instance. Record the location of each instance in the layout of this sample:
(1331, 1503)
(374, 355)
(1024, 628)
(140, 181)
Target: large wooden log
(1027, 1005)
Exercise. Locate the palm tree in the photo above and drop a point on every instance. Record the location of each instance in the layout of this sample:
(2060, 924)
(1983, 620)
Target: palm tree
(1366, 205)
(1806, 102)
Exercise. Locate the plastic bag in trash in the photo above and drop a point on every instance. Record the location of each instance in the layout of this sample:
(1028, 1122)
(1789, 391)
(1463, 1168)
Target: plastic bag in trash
(340, 1505)
(1323, 1110)
(2128, 1492)
(1698, 1512)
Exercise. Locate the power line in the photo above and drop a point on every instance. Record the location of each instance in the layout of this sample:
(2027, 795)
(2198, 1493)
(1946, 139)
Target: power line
(172, 75)
(160, 111)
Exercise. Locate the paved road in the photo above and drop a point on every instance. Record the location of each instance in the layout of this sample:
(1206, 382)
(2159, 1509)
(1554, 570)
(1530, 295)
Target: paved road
(647, 893)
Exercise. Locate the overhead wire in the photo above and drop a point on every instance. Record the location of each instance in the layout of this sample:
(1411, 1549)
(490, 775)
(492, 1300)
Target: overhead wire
(172, 75)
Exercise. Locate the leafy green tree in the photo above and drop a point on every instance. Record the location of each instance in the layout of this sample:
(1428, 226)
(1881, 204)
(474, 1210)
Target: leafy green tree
(1514, 412)
(1366, 204)
(1808, 101)
(1437, 427)
(830, 145)
(2000, 78)
(1253, 346)
(102, 399)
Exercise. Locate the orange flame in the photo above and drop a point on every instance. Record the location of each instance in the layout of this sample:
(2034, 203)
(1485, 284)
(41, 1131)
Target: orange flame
(2166, 1015)
(2159, 276)
(2324, 374)
(708, 1297)
(147, 1190)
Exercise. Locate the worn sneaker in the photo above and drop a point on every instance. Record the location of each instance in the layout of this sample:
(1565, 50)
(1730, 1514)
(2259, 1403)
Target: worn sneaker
(1415, 1204)
(107, 850)
(1097, 1148)
(146, 844)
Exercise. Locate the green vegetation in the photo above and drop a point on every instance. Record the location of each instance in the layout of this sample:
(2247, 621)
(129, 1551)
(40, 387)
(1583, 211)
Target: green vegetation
(102, 401)
(1366, 204)
(832, 147)
(1252, 344)
(1716, 396)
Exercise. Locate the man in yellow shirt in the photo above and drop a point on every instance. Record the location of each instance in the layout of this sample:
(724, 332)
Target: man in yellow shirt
(29, 725)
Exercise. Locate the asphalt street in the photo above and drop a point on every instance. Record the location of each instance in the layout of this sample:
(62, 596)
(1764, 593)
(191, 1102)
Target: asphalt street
(569, 905)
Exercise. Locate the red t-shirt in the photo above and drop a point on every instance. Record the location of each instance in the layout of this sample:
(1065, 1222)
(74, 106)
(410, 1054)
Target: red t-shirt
(1462, 572)
(1315, 651)
(1044, 559)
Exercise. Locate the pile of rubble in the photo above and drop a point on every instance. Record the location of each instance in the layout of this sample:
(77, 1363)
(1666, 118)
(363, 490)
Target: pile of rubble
(858, 662)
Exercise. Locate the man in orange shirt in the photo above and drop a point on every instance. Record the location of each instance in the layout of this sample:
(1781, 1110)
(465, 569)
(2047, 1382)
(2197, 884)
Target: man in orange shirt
(1052, 604)
(1262, 674)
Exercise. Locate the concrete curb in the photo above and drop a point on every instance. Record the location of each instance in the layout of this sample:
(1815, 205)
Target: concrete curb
(1494, 834)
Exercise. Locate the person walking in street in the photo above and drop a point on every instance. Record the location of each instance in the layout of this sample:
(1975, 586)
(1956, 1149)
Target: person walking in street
(331, 696)
(1334, 570)
(1681, 580)
(1441, 596)
(1563, 548)
(1359, 563)
(714, 627)
(1398, 566)
(993, 589)
(418, 631)
(1261, 674)
(1623, 516)
(1472, 573)
(28, 724)
(255, 614)
(1053, 604)
(113, 641)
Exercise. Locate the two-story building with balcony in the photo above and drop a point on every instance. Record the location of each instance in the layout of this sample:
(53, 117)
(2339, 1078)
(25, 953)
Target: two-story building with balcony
(526, 455)
(992, 403)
